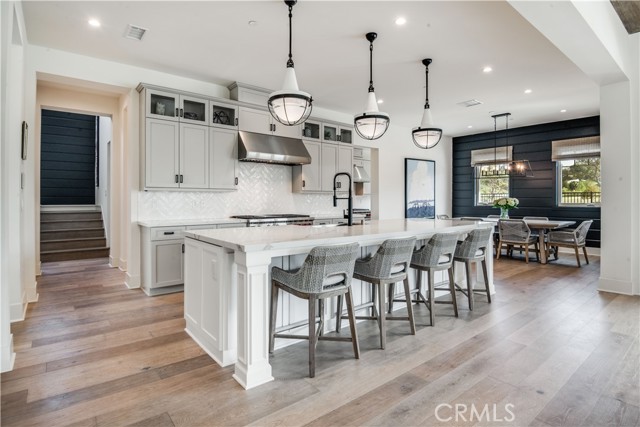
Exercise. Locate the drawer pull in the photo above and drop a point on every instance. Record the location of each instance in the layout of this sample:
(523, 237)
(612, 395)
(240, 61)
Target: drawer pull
(169, 233)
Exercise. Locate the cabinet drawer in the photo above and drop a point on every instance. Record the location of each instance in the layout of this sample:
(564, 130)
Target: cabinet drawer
(167, 233)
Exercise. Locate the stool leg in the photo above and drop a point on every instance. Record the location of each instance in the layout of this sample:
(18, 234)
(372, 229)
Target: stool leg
(577, 256)
(321, 311)
(392, 291)
(584, 250)
(373, 300)
(452, 286)
(486, 280)
(352, 324)
(339, 315)
(407, 292)
(381, 317)
(432, 294)
(272, 318)
(467, 266)
(312, 336)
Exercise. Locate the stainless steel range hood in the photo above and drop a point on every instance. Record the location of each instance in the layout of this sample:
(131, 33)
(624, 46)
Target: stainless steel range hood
(256, 147)
(360, 174)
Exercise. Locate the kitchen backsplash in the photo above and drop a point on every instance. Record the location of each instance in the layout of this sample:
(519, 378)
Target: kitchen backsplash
(262, 189)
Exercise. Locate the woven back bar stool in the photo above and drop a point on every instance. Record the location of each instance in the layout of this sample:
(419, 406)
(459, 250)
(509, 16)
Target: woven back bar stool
(471, 250)
(325, 273)
(389, 264)
(436, 255)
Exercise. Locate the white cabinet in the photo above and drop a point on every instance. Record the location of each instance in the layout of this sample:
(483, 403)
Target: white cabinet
(223, 115)
(336, 133)
(194, 156)
(162, 153)
(260, 121)
(172, 106)
(306, 178)
(223, 152)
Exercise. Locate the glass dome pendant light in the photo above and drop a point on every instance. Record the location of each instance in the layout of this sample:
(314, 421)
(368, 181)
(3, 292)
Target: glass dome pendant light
(426, 135)
(290, 106)
(371, 124)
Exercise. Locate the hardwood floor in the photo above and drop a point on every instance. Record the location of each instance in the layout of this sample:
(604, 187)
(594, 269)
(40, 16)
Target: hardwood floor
(549, 351)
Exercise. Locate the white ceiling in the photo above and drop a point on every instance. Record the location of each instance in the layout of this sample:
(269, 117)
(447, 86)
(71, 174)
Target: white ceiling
(212, 41)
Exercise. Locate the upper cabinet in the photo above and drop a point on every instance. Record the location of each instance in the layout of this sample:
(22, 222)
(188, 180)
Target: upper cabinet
(176, 107)
(223, 115)
(260, 121)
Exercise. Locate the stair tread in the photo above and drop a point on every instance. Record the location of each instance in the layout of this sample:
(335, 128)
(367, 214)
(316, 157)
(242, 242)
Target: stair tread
(75, 229)
(69, 220)
(72, 240)
(74, 250)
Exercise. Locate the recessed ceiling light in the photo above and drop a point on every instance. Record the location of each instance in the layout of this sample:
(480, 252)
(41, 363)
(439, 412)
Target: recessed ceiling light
(487, 69)
(252, 23)
(401, 21)
(94, 22)
(563, 111)
(469, 127)
(528, 91)
(380, 101)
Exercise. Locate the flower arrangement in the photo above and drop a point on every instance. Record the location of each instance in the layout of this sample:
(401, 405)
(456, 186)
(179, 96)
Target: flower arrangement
(506, 203)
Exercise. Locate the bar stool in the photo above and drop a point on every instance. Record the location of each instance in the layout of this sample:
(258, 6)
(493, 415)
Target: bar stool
(473, 250)
(325, 273)
(435, 255)
(389, 264)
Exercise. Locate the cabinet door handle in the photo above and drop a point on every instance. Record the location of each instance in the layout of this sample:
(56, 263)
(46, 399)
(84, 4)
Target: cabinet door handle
(304, 184)
(339, 184)
(339, 137)
(183, 248)
(181, 112)
(181, 179)
(236, 121)
(177, 179)
(236, 180)
(169, 233)
(177, 112)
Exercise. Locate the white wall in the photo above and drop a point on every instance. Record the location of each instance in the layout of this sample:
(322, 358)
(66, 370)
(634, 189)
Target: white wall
(105, 136)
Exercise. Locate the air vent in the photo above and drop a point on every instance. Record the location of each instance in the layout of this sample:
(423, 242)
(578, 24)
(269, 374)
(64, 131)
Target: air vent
(470, 103)
(135, 32)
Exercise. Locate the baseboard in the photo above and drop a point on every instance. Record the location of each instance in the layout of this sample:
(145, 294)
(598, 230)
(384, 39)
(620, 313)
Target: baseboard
(113, 262)
(8, 357)
(32, 293)
(39, 269)
(590, 251)
(615, 286)
(132, 282)
(122, 264)
(17, 312)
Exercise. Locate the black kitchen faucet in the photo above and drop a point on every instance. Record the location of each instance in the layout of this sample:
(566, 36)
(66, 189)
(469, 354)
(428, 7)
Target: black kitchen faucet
(349, 198)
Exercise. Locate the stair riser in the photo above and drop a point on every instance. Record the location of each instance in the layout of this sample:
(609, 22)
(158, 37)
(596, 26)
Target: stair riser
(73, 244)
(79, 254)
(54, 216)
(70, 234)
(69, 225)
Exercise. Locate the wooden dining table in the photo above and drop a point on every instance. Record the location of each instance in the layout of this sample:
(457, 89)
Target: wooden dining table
(542, 226)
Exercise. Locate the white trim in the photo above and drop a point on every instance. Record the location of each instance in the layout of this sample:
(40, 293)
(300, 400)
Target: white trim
(122, 264)
(132, 282)
(39, 269)
(623, 287)
(8, 356)
(70, 208)
(32, 293)
(18, 312)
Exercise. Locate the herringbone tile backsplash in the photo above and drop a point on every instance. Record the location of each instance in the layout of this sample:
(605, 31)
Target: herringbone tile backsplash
(262, 189)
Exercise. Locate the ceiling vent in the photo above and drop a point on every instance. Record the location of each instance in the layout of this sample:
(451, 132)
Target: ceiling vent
(135, 32)
(470, 103)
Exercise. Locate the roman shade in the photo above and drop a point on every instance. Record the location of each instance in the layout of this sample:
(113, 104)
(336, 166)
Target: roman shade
(489, 156)
(575, 148)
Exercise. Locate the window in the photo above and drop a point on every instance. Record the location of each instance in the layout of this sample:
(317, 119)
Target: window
(578, 171)
(490, 183)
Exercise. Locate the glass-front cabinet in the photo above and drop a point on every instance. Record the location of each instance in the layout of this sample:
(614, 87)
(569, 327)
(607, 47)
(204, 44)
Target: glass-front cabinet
(329, 133)
(346, 135)
(223, 115)
(311, 130)
(176, 107)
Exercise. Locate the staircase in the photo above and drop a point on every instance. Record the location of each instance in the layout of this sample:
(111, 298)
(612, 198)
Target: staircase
(70, 235)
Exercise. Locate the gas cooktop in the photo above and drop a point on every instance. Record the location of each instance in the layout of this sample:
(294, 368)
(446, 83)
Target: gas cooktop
(270, 216)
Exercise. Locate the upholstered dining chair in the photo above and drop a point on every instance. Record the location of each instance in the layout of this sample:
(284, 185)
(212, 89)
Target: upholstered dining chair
(326, 272)
(570, 239)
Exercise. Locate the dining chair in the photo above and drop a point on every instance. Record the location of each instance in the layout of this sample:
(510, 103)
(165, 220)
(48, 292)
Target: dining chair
(516, 232)
(325, 273)
(570, 239)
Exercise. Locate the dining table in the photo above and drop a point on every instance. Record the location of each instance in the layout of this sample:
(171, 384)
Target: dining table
(542, 227)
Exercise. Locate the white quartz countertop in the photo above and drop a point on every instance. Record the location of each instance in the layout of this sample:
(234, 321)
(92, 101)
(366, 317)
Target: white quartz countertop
(260, 239)
(188, 222)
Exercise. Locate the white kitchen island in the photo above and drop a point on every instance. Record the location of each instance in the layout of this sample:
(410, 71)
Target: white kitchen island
(227, 281)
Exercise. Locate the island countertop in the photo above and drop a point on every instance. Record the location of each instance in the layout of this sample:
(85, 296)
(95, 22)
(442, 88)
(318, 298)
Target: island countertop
(259, 239)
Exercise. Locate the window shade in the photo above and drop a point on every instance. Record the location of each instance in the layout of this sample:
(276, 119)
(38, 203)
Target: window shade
(575, 148)
(490, 156)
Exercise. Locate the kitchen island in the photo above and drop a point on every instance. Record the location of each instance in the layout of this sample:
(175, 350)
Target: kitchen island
(227, 282)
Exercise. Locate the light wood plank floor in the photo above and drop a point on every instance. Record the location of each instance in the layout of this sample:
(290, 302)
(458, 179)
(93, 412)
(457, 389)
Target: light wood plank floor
(549, 351)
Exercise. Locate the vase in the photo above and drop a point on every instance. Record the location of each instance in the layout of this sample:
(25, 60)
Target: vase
(504, 213)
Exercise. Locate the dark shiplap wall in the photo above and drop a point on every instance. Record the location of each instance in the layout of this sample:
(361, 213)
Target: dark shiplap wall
(537, 194)
(68, 156)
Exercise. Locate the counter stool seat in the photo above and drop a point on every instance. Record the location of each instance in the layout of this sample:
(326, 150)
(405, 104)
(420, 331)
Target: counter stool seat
(389, 264)
(473, 250)
(326, 272)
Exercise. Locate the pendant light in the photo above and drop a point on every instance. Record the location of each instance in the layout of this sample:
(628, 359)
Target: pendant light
(505, 166)
(371, 124)
(426, 135)
(290, 106)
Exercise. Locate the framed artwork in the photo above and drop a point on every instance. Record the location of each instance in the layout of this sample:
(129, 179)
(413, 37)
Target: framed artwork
(419, 188)
(25, 139)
